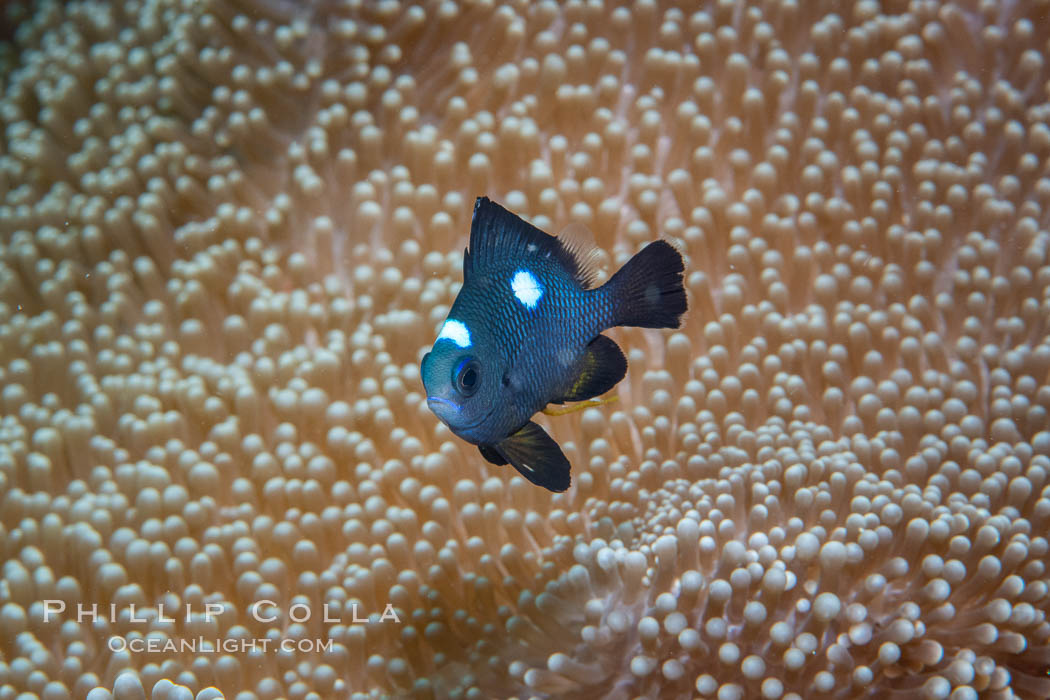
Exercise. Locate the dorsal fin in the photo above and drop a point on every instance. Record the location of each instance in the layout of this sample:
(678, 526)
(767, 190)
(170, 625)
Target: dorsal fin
(497, 234)
(578, 240)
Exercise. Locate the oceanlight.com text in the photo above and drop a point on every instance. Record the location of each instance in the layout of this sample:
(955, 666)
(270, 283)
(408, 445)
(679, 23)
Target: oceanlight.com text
(200, 645)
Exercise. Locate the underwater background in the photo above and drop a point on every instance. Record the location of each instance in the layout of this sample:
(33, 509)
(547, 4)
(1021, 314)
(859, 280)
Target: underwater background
(230, 230)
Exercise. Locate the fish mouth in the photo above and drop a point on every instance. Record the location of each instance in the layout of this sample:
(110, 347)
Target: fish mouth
(440, 408)
(434, 401)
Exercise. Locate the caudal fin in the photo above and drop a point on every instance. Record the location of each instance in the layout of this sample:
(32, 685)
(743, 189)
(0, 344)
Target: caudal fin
(647, 291)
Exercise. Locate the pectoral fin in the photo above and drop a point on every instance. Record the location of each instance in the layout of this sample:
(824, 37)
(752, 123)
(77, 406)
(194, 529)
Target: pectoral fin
(589, 403)
(599, 369)
(537, 456)
(490, 453)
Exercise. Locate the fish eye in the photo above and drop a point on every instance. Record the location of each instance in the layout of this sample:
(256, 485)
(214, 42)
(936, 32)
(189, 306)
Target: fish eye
(465, 376)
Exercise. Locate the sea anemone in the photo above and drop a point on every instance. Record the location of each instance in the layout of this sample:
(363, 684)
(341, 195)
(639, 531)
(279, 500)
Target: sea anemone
(229, 230)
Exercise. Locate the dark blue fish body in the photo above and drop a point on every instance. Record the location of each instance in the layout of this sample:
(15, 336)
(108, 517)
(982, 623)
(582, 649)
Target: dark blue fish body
(525, 331)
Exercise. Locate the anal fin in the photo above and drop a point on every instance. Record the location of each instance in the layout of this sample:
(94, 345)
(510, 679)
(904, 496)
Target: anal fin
(537, 457)
(599, 369)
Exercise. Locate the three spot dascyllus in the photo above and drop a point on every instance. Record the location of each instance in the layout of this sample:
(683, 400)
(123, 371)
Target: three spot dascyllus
(525, 331)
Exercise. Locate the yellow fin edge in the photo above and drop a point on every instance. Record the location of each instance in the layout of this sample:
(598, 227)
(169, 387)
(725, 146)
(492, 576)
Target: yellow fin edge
(580, 405)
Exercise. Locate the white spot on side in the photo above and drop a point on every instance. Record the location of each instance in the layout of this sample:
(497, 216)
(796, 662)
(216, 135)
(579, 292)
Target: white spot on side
(531, 247)
(526, 288)
(455, 331)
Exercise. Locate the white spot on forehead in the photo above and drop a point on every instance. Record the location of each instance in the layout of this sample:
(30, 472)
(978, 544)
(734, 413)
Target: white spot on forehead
(456, 331)
(526, 288)
(531, 247)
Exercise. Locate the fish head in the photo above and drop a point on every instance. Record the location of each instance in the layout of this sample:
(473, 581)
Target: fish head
(462, 383)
